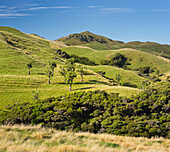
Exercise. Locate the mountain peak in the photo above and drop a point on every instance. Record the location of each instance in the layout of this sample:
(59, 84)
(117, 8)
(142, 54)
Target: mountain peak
(87, 37)
(86, 32)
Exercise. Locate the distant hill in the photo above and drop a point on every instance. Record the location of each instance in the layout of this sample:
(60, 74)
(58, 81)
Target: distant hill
(98, 42)
(86, 37)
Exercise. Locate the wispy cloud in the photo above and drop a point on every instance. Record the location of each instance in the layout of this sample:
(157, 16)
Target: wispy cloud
(22, 10)
(54, 7)
(158, 10)
(93, 6)
(2, 6)
(13, 15)
(110, 10)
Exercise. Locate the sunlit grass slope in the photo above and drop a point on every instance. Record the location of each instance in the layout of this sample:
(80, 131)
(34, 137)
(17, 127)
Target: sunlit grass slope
(17, 49)
(140, 59)
(16, 88)
(36, 139)
(129, 78)
(136, 58)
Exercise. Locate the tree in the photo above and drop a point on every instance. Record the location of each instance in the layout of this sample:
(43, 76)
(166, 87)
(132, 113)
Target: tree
(157, 72)
(145, 84)
(53, 65)
(29, 65)
(35, 94)
(49, 74)
(62, 71)
(80, 70)
(69, 72)
(118, 78)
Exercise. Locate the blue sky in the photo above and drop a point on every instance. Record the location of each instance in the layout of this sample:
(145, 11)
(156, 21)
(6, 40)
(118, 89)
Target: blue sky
(125, 20)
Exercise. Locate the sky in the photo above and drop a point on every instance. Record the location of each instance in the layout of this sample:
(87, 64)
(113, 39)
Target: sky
(124, 20)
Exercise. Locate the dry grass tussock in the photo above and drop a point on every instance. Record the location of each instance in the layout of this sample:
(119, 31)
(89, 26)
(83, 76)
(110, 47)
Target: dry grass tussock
(37, 139)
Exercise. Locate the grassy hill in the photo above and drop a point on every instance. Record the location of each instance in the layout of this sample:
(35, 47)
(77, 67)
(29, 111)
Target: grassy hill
(136, 58)
(86, 37)
(102, 43)
(18, 48)
(34, 138)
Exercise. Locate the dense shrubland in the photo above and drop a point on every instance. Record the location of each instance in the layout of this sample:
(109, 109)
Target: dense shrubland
(146, 114)
(82, 60)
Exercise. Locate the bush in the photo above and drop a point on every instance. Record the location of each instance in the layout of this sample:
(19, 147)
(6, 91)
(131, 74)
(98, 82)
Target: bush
(118, 60)
(83, 60)
(146, 114)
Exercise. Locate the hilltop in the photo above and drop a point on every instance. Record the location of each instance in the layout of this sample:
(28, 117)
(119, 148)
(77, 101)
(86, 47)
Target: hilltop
(98, 42)
(87, 37)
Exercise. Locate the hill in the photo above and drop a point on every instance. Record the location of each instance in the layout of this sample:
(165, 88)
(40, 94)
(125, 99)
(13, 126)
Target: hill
(98, 42)
(136, 58)
(17, 49)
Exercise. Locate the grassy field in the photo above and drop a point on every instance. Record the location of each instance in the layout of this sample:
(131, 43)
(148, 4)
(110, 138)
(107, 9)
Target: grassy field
(136, 58)
(16, 88)
(129, 78)
(36, 139)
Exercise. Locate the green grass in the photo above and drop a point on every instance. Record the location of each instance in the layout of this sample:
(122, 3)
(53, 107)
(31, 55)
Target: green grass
(138, 59)
(16, 88)
(17, 49)
(98, 42)
(128, 77)
(93, 55)
(141, 59)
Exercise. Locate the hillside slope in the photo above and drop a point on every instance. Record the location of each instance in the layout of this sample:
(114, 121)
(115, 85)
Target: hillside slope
(17, 49)
(136, 58)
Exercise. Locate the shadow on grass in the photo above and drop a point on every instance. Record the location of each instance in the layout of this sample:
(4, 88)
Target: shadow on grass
(100, 82)
(82, 88)
(41, 73)
(89, 82)
(129, 85)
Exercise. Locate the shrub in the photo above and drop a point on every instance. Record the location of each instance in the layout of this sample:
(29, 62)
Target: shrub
(146, 114)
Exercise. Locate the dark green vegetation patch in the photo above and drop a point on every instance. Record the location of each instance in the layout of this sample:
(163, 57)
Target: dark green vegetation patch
(147, 114)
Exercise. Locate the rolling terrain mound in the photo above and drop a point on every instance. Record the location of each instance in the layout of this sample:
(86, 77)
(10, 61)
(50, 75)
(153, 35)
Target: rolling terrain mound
(136, 58)
(17, 49)
(102, 43)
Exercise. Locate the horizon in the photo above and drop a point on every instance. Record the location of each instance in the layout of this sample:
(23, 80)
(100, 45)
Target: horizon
(146, 21)
(90, 32)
